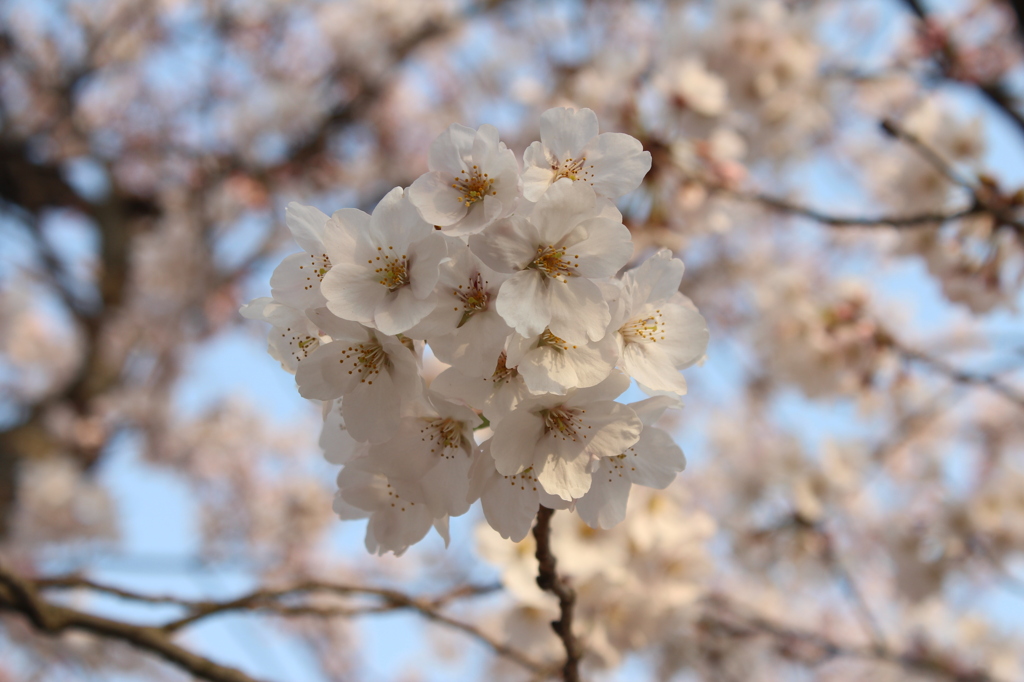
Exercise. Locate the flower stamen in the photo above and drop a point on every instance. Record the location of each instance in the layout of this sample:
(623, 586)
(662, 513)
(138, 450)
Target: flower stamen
(562, 422)
(648, 329)
(394, 272)
(553, 263)
(473, 186)
(474, 299)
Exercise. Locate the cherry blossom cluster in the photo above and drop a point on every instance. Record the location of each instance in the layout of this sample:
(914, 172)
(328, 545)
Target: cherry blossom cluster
(512, 279)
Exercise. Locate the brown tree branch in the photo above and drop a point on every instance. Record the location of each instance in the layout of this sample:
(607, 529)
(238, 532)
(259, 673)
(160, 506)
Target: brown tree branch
(989, 381)
(985, 195)
(276, 602)
(20, 595)
(947, 57)
(549, 581)
(908, 221)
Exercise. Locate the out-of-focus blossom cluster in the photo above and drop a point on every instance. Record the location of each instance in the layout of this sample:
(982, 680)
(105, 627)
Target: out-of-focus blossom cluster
(638, 586)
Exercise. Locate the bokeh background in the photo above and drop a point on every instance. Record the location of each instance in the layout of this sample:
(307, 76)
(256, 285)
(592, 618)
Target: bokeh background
(843, 181)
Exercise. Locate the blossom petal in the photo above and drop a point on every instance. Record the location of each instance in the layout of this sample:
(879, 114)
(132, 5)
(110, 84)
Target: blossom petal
(372, 410)
(515, 440)
(576, 308)
(509, 245)
(448, 149)
(425, 258)
(538, 174)
(400, 310)
(565, 474)
(607, 247)
(306, 224)
(604, 505)
(524, 303)
(619, 163)
(436, 200)
(565, 132)
(651, 367)
(655, 459)
(353, 293)
(295, 282)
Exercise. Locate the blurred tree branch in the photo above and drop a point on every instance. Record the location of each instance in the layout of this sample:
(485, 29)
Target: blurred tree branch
(947, 58)
(22, 595)
(722, 616)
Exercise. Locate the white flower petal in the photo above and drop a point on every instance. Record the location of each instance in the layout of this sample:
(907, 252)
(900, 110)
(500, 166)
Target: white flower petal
(607, 247)
(436, 200)
(565, 474)
(619, 163)
(523, 302)
(372, 411)
(577, 310)
(400, 310)
(654, 460)
(565, 132)
(448, 149)
(295, 282)
(515, 440)
(306, 224)
(353, 293)
(508, 246)
(604, 505)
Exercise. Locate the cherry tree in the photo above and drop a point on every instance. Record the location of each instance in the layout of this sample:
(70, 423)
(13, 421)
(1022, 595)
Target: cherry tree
(582, 341)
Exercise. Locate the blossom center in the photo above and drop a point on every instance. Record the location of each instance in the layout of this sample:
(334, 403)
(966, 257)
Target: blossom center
(563, 422)
(393, 271)
(320, 266)
(549, 339)
(473, 186)
(553, 262)
(647, 329)
(503, 373)
(474, 297)
(366, 360)
(574, 169)
(445, 433)
(303, 345)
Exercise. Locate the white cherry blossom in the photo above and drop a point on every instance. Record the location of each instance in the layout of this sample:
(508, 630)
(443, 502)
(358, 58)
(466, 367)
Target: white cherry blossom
(549, 364)
(653, 461)
(554, 256)
(570, 147)
(496, 394)
(395, 522)
(293, 336)
(296, 281)
(374, 373)
(509, 502)
(384, 265)
(473, 181)
(659, 331)
(465, 329)
(427, 459)
(559, 436)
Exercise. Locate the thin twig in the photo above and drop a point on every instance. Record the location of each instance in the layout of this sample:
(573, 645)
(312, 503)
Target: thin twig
(984, 195)
(549, 581)
(724, 617)
(908, 221)
(867, 617)
(991, 382)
